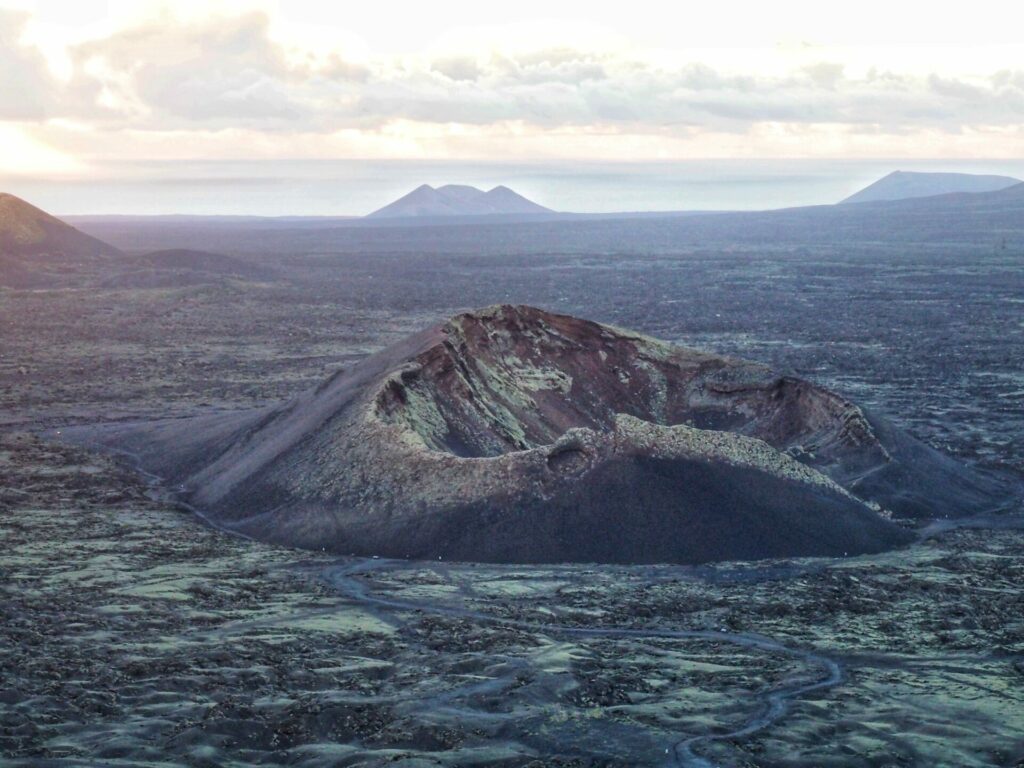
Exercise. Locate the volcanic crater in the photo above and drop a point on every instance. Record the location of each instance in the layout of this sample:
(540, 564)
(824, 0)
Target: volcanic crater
(512, 434)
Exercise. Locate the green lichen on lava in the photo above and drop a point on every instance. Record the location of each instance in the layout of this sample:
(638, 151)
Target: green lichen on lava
(657, 381)
(486, 393)
(424, 423)
(493, 390)
(538, 378)
(737, 450)
(657, 349)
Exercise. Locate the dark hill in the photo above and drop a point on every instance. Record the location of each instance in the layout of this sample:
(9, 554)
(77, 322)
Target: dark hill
(513, 434)
(38, 250)
(26, 230)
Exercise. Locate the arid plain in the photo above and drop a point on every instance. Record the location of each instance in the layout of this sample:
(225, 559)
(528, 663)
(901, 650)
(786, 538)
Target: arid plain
(133, 634)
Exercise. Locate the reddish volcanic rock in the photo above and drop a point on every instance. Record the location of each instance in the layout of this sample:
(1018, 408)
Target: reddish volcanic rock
(513, 434)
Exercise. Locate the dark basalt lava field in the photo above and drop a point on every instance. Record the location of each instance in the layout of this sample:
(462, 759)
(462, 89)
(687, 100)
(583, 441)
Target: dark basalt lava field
(135, 634)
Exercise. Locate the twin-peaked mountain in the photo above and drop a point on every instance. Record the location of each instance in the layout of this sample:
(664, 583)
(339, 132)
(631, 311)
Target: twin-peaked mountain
(459, 200)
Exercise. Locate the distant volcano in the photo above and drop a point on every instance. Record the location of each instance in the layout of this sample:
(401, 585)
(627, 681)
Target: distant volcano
(459, 200)
(516, 435)
(903, 185)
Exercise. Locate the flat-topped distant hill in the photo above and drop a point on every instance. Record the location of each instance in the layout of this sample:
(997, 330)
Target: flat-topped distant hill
(901, 185)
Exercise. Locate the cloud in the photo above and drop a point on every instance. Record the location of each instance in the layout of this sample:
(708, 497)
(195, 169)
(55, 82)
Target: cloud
(458, 68)
(825, 74)
(28, 88)
(230, 72)
(171, 73)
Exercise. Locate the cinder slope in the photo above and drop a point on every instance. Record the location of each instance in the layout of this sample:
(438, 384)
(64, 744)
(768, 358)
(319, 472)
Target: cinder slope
(513, 434)
(27, 230)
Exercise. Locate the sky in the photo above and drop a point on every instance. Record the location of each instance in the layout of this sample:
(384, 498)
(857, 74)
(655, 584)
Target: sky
(148, 106)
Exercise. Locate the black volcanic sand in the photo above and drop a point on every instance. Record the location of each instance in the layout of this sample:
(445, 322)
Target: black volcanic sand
(134, 635)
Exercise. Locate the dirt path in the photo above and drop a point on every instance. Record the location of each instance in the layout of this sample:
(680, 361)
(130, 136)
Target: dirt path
(768, 706)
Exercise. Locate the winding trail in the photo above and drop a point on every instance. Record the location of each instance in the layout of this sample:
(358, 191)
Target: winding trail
(771, 706)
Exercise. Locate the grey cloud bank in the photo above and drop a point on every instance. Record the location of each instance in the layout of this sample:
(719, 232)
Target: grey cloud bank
(229, 72)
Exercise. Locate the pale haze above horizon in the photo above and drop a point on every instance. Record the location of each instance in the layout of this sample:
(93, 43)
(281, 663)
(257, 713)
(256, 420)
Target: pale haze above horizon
(307, 107)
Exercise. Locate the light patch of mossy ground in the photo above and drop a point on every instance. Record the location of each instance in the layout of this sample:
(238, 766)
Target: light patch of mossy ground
(133, 634)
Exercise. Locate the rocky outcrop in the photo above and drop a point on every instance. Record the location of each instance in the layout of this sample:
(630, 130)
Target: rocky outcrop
(513, 434)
